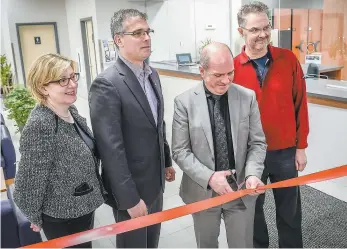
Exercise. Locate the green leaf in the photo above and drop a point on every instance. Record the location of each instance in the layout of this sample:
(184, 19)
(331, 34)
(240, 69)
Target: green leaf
(20, 104)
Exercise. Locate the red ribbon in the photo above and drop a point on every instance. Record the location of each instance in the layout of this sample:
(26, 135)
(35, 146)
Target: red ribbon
(148, 220)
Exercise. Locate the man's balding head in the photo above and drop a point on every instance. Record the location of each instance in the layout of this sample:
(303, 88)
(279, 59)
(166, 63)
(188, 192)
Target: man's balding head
(216, 51)
(217, 67)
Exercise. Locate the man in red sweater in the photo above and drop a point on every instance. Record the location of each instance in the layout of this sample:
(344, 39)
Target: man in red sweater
(276, 77)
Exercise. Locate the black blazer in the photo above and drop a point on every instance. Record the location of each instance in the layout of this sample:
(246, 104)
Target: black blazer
(133, 150)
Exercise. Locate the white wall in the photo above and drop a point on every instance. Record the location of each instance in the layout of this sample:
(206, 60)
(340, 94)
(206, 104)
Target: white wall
(180, 26)
(236, 39)
(172, 34)
(75, 11)
(215, 13)
(6, 48)
(173, 22)
(105, 10)
(24, 11)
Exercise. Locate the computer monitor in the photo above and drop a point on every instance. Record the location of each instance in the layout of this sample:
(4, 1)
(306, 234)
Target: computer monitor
(184, 59)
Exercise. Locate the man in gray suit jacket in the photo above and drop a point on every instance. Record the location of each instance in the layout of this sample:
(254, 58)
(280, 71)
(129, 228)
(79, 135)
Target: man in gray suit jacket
(218, 142)
(127, 111)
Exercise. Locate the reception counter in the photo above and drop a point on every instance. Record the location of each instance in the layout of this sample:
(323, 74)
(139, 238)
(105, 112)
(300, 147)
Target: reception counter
(332, 72)
(320, 91)
(327, 92)
(172, 69)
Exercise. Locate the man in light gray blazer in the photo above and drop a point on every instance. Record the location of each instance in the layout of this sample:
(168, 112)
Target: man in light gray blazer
(218, 142)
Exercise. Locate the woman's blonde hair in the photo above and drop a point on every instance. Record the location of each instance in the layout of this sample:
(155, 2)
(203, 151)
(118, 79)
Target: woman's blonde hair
(46, 68)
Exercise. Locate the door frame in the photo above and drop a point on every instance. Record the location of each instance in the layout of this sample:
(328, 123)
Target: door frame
(18, 25)
(85, 50)
(14, 63)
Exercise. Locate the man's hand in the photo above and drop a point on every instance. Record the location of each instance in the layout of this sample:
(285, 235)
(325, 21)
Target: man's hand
(219, 183)
(170, 174)
(300, 159)
(35, 228)
(139, 210)
(253, 182)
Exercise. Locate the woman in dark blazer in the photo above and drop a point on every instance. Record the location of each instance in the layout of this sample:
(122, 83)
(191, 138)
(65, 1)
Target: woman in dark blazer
(57, 185)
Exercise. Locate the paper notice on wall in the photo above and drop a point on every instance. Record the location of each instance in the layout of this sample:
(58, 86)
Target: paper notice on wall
(79, 60)
(313, 58)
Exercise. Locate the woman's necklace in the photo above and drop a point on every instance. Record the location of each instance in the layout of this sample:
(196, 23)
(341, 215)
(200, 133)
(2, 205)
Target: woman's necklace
(67, 118)
(64, 117)
(61, 116)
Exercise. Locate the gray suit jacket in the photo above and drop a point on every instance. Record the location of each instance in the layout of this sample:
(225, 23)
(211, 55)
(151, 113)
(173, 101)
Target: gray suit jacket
(132, 148)
(192, 141)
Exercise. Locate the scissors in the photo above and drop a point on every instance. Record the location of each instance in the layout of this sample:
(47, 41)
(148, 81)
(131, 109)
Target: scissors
(233, 178)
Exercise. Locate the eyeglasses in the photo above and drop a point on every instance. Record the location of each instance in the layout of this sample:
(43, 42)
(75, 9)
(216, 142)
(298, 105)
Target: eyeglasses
(65, 81)
(256, 31)
(138, 33)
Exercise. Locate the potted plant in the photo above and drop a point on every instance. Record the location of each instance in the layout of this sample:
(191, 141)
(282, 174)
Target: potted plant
(19, 103)
(6, 75)
(204, 43)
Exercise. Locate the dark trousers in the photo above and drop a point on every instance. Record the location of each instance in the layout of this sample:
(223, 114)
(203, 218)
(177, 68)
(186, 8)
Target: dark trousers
(147, 237)
(56, 228)
(280, 165)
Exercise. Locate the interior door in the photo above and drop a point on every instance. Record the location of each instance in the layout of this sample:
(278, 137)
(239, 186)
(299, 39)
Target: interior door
(36, 40)
(283, 23)
(89, 50)
(300, 33)
(282, 19)
(315, 21)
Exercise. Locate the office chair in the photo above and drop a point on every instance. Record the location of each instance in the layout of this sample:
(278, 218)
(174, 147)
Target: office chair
(313, 72)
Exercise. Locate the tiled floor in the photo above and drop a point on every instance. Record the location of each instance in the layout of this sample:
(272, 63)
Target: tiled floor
(180, 232)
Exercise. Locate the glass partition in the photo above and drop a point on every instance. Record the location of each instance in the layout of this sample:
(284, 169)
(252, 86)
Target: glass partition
(316, 31)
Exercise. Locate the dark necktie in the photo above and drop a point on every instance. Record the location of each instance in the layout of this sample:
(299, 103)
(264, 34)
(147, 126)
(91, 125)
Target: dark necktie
(221, 144)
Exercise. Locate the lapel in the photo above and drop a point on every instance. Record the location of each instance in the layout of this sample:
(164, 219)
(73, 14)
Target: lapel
(200, 104)
(155, 82)
(81, 122)
(234, 110)
(134, 85)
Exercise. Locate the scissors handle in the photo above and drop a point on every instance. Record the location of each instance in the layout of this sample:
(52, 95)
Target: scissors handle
(233, 178)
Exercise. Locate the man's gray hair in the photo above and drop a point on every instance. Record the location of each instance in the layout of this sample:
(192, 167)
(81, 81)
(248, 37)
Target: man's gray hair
(255, 8)
(117, 20)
